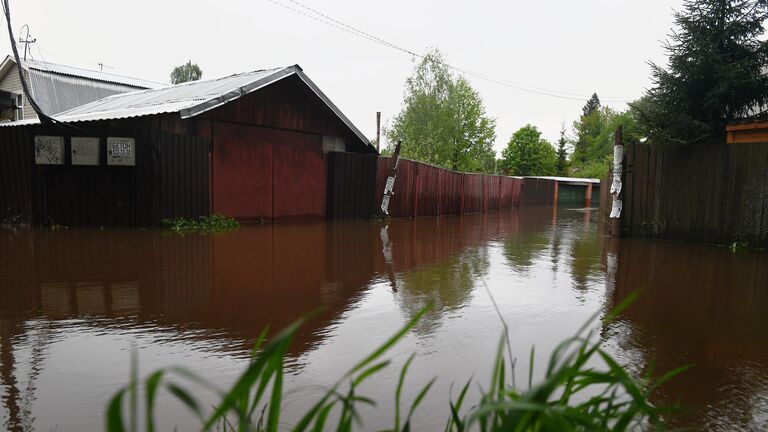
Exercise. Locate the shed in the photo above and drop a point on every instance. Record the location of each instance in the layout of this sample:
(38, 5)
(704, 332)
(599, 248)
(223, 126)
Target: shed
(251, 146)
(57, 88)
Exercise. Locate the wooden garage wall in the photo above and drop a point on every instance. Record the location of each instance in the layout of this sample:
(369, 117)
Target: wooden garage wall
(170, 179)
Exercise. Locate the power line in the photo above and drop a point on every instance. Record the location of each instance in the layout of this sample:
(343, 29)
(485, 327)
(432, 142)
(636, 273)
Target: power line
(44, 118)
(330, 21)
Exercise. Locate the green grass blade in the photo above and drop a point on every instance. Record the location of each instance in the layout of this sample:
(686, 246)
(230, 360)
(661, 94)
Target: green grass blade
(152, 385)
(399, 390)
(419, 399)
(187, 399)
(391, 341)
(115, 413)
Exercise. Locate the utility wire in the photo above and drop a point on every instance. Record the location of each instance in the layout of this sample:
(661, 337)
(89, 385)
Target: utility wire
(44, 118)
(328, 20)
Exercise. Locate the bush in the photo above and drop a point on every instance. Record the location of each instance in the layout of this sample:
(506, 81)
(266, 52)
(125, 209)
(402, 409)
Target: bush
(210, 223)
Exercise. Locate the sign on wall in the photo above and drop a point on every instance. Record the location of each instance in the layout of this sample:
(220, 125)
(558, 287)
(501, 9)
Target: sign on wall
(121, 151)
(85, 151)
(49, 150)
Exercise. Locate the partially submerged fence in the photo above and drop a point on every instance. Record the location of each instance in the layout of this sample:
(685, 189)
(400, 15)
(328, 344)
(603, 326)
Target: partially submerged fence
(420, 189)
(710, 193)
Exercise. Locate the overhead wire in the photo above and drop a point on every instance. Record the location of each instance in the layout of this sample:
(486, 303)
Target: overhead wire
(328, 20)
(44, 118)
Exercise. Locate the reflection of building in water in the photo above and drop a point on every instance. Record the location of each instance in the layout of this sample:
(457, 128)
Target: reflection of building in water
(227, 287)
(702, 306)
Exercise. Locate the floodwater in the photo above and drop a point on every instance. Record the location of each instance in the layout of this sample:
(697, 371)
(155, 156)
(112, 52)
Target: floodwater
(75, 303)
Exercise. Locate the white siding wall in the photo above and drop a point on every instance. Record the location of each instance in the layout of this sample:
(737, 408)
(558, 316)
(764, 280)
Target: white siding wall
(10, 82)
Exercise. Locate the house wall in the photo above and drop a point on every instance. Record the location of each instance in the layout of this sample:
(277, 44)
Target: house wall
(259, 157)
(267, 158)
(11, 82)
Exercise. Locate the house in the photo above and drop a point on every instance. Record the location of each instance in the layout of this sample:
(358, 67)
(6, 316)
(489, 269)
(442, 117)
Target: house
(253, 146)
(57, 88)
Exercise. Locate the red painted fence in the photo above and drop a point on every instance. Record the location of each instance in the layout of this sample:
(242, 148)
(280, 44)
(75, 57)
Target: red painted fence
(425, 190)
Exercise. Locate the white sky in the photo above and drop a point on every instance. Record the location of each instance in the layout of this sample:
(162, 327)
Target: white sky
(562, 46)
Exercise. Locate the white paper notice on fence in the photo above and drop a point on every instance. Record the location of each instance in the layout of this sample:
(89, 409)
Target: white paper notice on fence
(49, 150)
(389, 186)
(616, 209)
(618, 156)
(385, 204)
(616, 185)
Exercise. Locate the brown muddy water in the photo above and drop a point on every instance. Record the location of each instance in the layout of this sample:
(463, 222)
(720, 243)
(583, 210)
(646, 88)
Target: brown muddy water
(74, 302)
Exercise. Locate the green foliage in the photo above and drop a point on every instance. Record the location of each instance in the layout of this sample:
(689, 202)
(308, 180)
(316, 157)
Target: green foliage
(716, 72)
(561, 163)
(527, 154)
(592, 105)
(210, 223)
(595, 132)
(186, 72)
(574, 395)
(443, 121)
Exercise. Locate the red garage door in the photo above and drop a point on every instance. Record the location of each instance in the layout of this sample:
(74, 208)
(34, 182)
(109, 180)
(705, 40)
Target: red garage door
(267, 173)
(299, 175)
(242, 171)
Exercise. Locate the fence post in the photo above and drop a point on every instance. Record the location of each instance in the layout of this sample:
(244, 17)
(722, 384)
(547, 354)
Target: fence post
(616, 184)
(588, 196)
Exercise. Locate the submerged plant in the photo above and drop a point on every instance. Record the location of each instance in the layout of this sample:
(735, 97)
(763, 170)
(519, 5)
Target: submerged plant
(574, 396)
(212, 223)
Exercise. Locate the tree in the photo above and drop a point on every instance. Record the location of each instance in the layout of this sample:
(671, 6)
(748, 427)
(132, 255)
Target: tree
(527, 154)
(715, 72)
(592, 105)
(586, 127)
(443, 121)
(595, 135)
(561, 164)
(186, 72)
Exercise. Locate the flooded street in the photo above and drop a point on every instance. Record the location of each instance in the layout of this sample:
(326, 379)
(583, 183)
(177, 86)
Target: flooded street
(75, 302)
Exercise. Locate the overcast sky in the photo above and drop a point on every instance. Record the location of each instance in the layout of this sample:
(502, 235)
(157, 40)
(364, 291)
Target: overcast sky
(571, 47)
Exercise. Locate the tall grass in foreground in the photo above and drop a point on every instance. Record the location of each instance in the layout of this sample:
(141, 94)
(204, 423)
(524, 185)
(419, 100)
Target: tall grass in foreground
(573, 396)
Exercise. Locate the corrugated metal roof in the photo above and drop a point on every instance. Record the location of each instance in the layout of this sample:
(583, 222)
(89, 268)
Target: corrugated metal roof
(189, 99)
(89, 74)
(56, 93)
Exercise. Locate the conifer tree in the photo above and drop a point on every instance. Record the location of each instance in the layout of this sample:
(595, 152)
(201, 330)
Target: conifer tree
(592, 105)
(561, 165)
(715, 73)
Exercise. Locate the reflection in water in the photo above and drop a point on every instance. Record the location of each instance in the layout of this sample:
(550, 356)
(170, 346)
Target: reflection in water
(702, 306)
(72, 302)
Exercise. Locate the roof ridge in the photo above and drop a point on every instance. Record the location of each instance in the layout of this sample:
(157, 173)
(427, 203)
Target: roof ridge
(186, 83)
(41, 64)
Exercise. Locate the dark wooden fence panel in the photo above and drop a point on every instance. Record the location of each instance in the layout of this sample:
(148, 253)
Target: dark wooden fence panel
(710, 193)
(472, 191)
(170, 179)
(182, 176)
(352, 185)
(427, 195)
(15, 175)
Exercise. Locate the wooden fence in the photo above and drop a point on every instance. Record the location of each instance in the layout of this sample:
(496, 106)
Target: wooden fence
(709, 193)
(356, 188)
(170, 179)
